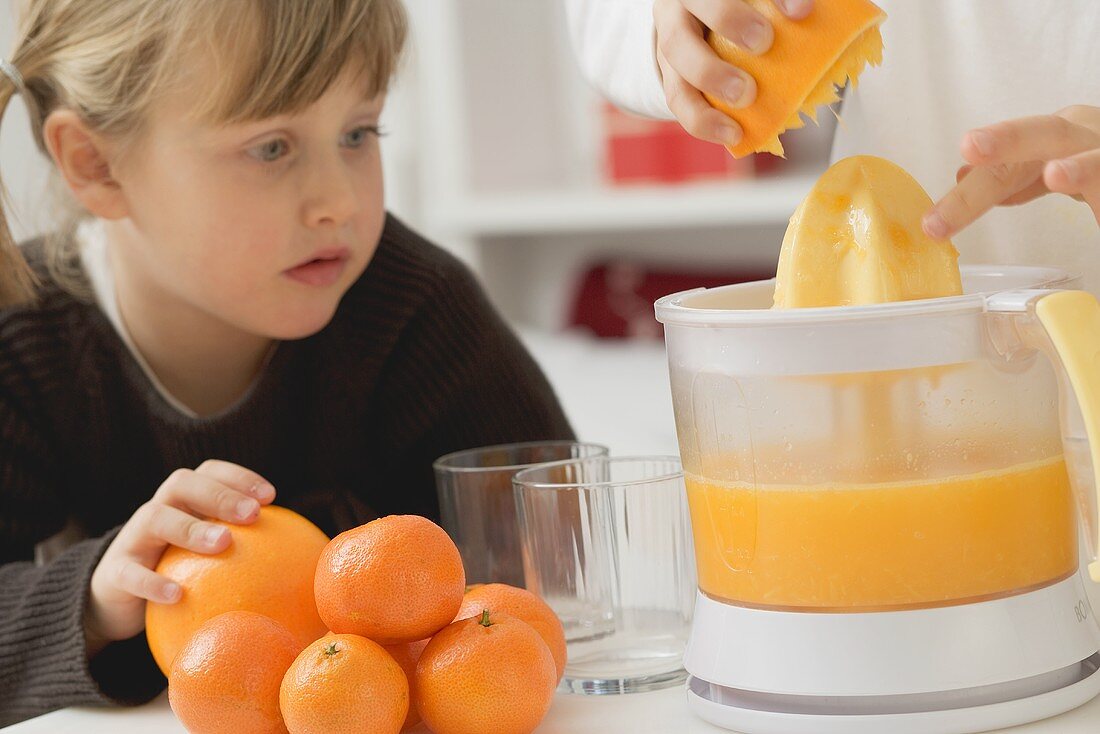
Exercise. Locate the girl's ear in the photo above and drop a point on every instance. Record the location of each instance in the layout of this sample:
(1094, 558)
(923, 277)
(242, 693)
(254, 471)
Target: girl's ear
(83, 158)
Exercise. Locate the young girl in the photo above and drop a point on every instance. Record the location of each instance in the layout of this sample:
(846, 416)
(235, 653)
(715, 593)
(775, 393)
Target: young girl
(237, 316)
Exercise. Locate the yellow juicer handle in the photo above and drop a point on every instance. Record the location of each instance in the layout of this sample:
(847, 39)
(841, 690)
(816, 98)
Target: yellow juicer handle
(1072, 321)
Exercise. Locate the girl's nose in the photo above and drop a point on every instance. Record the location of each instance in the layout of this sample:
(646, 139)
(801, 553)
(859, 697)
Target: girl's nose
(332, 198)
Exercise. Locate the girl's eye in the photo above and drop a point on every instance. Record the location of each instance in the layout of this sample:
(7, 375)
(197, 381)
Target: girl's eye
(359, 135)
(270, 151)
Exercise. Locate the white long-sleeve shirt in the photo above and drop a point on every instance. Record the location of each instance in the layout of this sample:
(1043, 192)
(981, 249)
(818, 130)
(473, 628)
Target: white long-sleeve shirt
(948, 66)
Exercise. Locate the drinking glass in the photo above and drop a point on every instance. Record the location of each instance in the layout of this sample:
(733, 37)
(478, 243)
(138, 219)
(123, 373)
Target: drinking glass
(477, 505)
(607, 544)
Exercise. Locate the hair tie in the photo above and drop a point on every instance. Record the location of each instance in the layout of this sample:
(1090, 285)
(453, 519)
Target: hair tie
(8, 70)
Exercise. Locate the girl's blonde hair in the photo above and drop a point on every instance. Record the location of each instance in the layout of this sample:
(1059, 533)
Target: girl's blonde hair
(110, 60)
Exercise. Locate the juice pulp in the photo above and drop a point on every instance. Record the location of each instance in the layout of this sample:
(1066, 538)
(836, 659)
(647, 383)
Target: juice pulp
(886, 545)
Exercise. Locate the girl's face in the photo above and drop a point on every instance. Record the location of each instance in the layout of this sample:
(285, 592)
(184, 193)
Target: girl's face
(262, 225)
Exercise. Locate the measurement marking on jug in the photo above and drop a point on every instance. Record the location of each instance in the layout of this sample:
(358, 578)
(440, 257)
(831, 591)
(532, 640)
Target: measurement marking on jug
(1081, 609)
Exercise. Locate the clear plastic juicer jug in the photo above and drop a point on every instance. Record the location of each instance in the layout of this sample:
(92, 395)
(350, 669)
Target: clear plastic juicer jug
(885, 504)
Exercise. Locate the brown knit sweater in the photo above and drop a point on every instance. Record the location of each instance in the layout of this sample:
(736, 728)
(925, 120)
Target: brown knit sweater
(345, 424)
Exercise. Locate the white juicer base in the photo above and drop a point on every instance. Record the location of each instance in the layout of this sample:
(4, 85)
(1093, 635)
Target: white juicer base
(950, 670)
(949, 721)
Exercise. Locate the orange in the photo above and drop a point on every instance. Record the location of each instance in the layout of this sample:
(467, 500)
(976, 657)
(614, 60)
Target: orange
(407, 654)
(396, 579)
(521, 604)
(226, 677)
(268, 568)
(808, 60)
(344, 684)
(491, 673)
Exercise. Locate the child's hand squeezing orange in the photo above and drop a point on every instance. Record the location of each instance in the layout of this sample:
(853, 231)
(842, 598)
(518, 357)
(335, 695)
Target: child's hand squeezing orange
(1016, 161)
(690, 67)
(124, 579)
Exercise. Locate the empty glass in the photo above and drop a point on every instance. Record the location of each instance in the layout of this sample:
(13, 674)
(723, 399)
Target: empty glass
(607, 543)
(478, 508)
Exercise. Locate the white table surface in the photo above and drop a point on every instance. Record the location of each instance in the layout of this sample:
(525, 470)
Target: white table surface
(660, 712)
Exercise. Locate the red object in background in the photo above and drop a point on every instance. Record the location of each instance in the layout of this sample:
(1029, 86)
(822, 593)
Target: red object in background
(638, 150)
(615, 298)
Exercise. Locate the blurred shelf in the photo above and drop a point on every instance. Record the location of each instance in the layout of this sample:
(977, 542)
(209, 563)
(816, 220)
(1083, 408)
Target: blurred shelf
(755, 201)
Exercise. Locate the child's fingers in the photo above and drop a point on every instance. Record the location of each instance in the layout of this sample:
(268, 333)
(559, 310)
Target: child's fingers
(161, 523)
(694, 113)
(735, 20)
(137, 580)
(239, 478)
(1042, 137)
(979, 191)
(682, 44)
(204, 496)
(1078, 176)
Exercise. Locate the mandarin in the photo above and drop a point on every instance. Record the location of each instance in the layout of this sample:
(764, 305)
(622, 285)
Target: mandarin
(344, 684)
(490, 673)
(521, 604)
(226, 678)
(407, 654)
(395, 579)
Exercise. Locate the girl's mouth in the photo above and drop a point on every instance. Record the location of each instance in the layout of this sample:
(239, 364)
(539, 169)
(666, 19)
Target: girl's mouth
(323, 269)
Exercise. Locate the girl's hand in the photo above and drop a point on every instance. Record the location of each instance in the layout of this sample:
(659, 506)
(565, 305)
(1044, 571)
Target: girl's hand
(689, 66)
(124, 579)
(1016, 161)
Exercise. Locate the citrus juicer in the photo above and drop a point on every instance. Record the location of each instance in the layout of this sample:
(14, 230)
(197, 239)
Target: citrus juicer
(919, 575)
